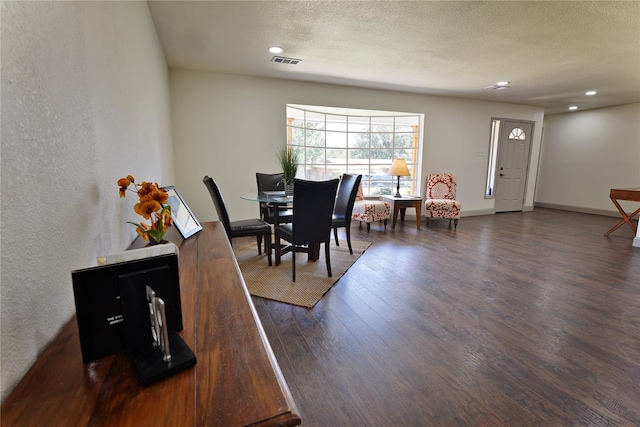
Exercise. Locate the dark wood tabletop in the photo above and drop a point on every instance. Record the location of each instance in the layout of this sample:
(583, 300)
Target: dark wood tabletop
(236, 382)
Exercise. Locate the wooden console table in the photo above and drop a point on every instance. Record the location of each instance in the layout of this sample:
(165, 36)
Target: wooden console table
(400, 204)
(236, 382)
(629, 194)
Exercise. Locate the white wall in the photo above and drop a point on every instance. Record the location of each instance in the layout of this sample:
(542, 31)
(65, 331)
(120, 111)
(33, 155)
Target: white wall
(85, 100)
(585, 154)
(229, 127)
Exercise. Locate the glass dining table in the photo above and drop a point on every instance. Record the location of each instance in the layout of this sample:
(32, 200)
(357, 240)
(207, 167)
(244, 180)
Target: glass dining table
(278, 198)
(275, 197)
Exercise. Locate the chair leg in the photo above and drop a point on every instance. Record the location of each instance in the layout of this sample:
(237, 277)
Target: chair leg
(335, 233)
(348, 230)
(368, 226)
(259, 242)
(449, 222)
(385, 224)
(278, 256)
(360, 225)
(455, 223)
(293, 262)
(427, 221)
(327, 257)
(267, 247)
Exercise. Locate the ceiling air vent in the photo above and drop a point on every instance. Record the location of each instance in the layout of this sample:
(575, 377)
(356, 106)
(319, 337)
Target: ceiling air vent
(283, 60)
(496, 87)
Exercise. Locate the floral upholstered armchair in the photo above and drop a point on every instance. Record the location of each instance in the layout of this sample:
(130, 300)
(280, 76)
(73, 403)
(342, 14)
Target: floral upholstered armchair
(441, 198)
(370, 210)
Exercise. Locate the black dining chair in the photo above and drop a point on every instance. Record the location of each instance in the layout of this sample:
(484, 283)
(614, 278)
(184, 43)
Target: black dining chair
(313, 203)
(344, 206)
(272, 182)
(243, 228)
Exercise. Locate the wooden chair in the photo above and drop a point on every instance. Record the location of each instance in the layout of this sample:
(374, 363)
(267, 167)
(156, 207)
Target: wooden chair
(343, 209)
(313, 203)
(248, 227)
(441, 198)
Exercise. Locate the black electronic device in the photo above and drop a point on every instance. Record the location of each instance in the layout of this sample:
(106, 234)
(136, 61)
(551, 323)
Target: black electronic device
(99, 308)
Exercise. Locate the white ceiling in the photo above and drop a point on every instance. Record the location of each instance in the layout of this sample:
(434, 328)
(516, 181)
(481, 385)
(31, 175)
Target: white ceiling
(551, 52)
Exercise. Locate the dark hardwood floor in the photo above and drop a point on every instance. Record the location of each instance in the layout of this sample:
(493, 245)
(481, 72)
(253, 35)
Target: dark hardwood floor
(514, 319)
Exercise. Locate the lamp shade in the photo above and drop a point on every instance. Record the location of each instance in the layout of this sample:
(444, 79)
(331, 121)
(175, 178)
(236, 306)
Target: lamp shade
(399, 168)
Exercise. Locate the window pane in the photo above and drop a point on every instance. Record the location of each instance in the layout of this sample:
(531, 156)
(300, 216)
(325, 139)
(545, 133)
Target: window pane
(337, 123)
(359, 154)
(403, 140)
(381, 140)
(300, 152)
(358, 124)
(337, 139)
(295, 117)
(315, 138)
(297, 136)
(314, 120)
(334, 170)
(382, 124)
(315, 155)
(358, 140)
(517, 133)
(380, 171)
(335, 155)
(407, 123)
(382, 154)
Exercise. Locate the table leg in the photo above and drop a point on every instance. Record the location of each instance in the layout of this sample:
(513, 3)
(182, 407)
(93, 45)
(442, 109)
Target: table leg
(625, 219)
(418, 213)
(395, 216)
(313, 253)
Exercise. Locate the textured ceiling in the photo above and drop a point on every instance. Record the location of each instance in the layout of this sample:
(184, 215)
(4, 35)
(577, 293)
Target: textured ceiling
(551, 52)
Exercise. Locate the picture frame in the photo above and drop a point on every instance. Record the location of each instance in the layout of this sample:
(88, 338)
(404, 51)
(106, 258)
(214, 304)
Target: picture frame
(184, 220)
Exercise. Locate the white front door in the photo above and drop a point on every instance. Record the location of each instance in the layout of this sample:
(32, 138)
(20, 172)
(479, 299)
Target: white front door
(513, 164)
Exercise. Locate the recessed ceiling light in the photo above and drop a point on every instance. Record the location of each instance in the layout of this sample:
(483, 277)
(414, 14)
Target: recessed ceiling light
(276, 49)
(503, 83)
(591, 92)
(573, 107)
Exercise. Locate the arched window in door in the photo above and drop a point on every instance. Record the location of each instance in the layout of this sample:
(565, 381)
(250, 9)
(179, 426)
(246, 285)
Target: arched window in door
(517, 133)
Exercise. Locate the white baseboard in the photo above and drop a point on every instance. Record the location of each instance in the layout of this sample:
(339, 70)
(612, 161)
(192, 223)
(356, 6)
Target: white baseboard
(412, 216)
(577, 209)
(479, 212)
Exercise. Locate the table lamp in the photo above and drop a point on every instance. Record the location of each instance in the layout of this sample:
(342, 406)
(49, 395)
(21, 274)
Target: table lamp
(399, 168)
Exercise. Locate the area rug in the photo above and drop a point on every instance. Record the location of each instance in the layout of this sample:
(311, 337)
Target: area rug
(311, 277)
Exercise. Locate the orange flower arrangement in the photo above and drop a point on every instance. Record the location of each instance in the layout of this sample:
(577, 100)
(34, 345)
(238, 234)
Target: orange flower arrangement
(151, 206)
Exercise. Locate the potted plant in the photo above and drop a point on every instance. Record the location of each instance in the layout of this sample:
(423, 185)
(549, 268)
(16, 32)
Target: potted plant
(289, 162)
(152, 206)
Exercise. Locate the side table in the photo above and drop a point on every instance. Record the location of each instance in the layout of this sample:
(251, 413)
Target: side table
(401, 204)
(629, 194)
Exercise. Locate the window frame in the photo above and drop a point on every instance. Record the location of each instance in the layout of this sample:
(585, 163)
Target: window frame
(318, 131)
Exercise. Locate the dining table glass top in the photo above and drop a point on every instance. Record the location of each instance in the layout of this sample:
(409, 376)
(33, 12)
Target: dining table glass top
(268, 197)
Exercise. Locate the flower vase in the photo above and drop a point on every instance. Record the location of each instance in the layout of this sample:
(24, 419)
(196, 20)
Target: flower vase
(154, 243)
(288, 190)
